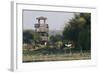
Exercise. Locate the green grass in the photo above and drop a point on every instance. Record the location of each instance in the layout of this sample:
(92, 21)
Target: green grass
(63, 57)
(54, 55)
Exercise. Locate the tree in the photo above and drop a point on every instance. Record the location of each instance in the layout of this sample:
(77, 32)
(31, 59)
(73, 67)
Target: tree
(53, 39)
(78, 30)
(28, 36)
(84, 40)
(66, 33)
(85, 34)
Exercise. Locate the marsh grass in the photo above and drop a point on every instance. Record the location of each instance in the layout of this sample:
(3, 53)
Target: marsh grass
(54, 55)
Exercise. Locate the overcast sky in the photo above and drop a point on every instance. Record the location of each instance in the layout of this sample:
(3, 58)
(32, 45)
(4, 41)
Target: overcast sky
(56, 20)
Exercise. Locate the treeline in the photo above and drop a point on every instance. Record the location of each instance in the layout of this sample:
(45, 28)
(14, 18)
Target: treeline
(77, 31)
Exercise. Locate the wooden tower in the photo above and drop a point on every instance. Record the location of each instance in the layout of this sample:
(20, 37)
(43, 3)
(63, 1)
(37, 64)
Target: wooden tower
(42, 29)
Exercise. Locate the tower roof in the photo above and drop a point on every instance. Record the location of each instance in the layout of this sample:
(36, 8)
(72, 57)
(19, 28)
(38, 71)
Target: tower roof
(41, 18)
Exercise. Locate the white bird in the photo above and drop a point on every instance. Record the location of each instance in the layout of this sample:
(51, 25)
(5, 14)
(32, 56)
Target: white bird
(68, 45)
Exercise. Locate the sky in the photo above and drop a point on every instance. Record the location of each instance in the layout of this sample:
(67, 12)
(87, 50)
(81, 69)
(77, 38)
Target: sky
(56, 20)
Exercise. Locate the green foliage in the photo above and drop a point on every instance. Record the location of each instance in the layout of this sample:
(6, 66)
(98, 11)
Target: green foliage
(28, 36)
(85, 40)
(66, 33)
(55, 38)
(78, 30)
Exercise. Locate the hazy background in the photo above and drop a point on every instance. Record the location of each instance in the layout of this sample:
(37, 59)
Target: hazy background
(56, 20)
